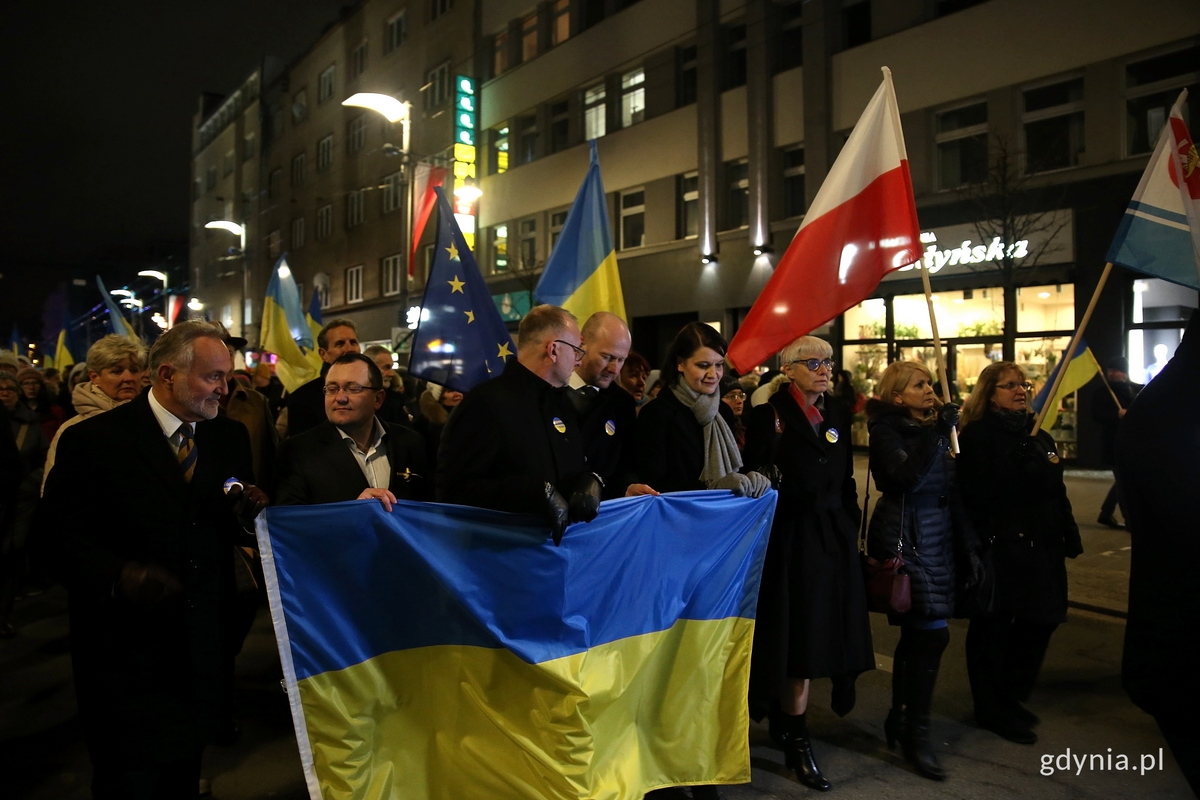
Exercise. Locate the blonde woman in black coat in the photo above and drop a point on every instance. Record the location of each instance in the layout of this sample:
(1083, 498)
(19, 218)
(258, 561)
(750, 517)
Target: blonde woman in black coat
(1012, 486)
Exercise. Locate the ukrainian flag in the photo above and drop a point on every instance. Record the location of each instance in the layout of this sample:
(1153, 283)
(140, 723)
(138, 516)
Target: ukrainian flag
(116, 320)
(581, 274)
(443, 652)
(1081, 368)
(286, 332)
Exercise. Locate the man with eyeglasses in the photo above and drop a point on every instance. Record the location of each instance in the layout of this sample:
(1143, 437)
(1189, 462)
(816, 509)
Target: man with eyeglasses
(353, 455)
(515, 442)
(606, 411)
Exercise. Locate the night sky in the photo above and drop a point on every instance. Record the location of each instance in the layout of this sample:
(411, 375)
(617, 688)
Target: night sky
(96, 135)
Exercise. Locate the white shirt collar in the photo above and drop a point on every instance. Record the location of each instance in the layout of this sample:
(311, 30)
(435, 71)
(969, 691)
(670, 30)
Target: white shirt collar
(577, 382)
(376, 436)
(166, 420)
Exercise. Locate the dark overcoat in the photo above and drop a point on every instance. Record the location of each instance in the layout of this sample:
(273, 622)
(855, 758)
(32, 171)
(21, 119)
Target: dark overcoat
(147, 677)
(1018, 504)
(608, 421)
(318, 467)
(306, 405)
(812, 619)
(506, 440)
(669, 445)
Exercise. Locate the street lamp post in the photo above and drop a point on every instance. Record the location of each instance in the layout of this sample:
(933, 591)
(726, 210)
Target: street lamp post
(240, 232)
(162, 276)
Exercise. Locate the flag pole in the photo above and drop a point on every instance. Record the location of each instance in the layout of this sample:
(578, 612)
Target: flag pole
(1083, 323)
(937, 347)
(1108, 386)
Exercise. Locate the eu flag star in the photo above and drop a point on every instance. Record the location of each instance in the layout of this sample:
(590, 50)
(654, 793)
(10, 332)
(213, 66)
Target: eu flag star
(504, 351)
(470, 316)
(453, 251)
(456, 285)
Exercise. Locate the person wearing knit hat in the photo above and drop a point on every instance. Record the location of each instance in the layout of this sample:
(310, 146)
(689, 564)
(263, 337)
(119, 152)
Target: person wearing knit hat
(9, 362)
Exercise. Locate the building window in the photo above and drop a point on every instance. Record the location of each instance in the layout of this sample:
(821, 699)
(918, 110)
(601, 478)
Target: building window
(856, 23)
(794, 201)
(300, 106)
(354, 207)
(354, 277)
(685, 87)
(961, 136)
(392, 194)
(557, 220)
(230, 162)
(356, 134)
(210, 178)
(560, 21)
(1151, 87)
(298, 166)
(688, 220)
(325, 153)
(274, 244)
(595, 112)
(633, 218)
(500, 53)
(735, 57)
(633, 97)
(528, 228)
(395, 32)
(358, 60)
(325, 83)
(560, 126)
(274, 184)
(790, 52)
(439, 7)
(1052, 124)
(297, 233)
(390, 273)
(738, 204)
(325, 221)
(321, 289)
(527, 138)
(499, 150)
(529, 38)
(249, 143)
(197, 188)
(500, 249)
(438, 81)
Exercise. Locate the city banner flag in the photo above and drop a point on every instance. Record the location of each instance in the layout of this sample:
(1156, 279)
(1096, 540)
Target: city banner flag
(116, 320)
(63, 358)
(449, 652)
(862, 225)
(461, 340)
(1160, 232)
(285, 332)
(426, 178)
(581, 274)
(1081, 368)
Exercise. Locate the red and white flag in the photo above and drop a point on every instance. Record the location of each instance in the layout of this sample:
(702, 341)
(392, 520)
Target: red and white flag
(425, 180)
(1187, 167)
(861, 226)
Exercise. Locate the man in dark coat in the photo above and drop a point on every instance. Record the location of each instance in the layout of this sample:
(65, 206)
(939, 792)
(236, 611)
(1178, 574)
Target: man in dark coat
(1106, 411)
(353, 455)
(1158, 465)
(514, 443)
(306, 405)
(146, 590)
(607, 412)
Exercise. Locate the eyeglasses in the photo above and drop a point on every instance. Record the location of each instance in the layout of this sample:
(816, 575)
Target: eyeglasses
(579, 351)
(815, 364)
(735, 396)
(333, 390)
(1012, 385)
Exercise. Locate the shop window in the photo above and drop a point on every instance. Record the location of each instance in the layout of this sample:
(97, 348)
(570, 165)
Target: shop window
(794, 201)
(499, 150)
(560, 21)
(867, 320)
(737, 206)
(529, 38)
(734, 73)
(633, 218)
(685, 82)
(1160, 314)
(689, 205)
(354, 278)
(633, 97)
(560, 126)
(500, 53)
(856, 24)
(1045, 308)
(1052, 124)
(790, 49)
(529, 259)
(961, 137)
(1151, 88)
(595, 112)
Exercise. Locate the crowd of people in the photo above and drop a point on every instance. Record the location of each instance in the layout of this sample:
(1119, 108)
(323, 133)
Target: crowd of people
(160, 604)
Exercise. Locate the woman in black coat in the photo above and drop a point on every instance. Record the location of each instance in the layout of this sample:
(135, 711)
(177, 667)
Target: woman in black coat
(919, 518)
(812, 619)
(681, 441)
(1012, 486)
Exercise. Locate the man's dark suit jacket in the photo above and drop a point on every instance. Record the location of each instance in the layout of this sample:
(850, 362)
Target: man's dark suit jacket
(608, 421)
(147, 677)
(306, 405)
(318, 467)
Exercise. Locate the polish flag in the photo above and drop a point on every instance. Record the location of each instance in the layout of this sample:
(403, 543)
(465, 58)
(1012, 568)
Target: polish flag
(1186, 166)
(426, 179)
(861, 226)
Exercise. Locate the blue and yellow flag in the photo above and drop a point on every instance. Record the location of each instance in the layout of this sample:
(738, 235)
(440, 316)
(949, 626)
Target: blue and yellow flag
(451, 652)
(116, 320)
(460, 341)
(581, 274)
(285, 331)
(1081, 368)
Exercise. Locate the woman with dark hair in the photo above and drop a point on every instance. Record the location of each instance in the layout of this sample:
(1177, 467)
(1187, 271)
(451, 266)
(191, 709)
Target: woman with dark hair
(733, 403)
(682, 442)
(1003, 468)
(920, 519)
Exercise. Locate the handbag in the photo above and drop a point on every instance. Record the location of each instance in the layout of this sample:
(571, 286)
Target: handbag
(888, 587)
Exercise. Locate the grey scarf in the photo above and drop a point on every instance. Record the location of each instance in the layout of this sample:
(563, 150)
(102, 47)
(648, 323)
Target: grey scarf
(721, 455)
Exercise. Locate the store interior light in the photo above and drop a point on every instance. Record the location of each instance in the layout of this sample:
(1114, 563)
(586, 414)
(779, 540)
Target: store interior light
(1044, 295)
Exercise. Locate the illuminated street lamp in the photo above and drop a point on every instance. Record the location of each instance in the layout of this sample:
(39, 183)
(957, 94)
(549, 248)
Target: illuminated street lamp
(225, 225)
(390, 108)
(162, 276)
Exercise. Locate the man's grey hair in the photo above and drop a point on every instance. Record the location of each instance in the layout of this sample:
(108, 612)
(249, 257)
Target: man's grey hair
(177, 346)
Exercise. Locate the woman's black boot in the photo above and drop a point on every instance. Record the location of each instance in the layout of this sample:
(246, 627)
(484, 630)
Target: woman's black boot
(893, 727)
(790, 731)
(920, 676)
(918, 750)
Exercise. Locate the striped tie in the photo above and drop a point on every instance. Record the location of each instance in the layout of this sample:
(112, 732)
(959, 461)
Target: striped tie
(187, 452)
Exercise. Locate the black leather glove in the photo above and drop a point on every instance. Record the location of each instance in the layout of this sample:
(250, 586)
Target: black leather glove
(557, 513)
(147, 584)
(947, 418)
(585, 492)
(771, 473)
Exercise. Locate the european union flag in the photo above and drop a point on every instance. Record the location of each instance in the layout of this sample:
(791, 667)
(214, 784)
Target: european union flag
(461, 340)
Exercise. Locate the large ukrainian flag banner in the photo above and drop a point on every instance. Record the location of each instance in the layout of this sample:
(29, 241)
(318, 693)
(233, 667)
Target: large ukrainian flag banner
(442, 653)
(581, 274)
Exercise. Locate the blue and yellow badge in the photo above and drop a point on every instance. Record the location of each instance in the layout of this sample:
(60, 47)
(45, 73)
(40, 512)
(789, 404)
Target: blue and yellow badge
(610, 428)
(559, 425)
(832, 435)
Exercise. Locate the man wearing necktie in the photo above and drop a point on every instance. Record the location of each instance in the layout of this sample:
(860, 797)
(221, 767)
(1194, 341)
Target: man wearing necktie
(139, 515)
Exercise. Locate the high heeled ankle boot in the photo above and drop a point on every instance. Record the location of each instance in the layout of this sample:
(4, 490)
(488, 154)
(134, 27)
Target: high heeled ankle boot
(790, 731)
(893, 728)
